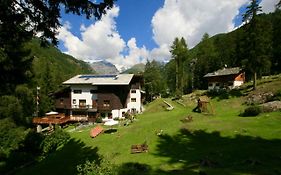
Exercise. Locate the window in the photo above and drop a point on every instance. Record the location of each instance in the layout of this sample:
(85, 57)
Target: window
(74, 101)
(106, 103)
(217, 84)
(61, 101)
(77, 91)
(133, 100)
(134, 110)
(133, 91)
(82, 103)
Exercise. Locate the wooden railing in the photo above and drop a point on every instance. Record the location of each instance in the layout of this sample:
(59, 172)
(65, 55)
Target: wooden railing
(83, 107)
(50, 120)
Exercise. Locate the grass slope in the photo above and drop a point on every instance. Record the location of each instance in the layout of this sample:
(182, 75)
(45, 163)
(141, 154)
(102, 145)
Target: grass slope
(223, 143)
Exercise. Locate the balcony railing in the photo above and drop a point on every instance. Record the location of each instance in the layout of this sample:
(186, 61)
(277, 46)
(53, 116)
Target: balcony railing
(58, 119)
(84, 107)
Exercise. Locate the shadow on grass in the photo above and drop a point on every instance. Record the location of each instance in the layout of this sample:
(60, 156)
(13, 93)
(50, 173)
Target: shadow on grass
(225, 94)
(65, 160)
(132, 168)
(110, 131)
(210, 153)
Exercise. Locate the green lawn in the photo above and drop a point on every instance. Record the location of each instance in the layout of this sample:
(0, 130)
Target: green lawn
(223, 143)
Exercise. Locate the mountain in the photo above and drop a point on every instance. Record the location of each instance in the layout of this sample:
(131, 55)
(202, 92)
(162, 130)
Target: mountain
(104, 67)
(50, 60)
(136, 69)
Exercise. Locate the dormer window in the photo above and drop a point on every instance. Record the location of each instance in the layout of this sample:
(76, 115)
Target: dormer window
(77, 91)
(92, 91)
(106, 103)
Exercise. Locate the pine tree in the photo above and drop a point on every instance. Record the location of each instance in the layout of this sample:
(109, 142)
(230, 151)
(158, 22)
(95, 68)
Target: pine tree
(179, 52)
(256, 46)
(154, 79)
(276, 41)
(278, 5)
(206, 61)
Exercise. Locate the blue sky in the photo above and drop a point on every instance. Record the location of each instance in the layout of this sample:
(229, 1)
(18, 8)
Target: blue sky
(134, 20)
(137, 30)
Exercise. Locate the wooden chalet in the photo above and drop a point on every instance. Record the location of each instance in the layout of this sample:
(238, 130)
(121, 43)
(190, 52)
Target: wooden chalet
(226, 78)
(86, 97)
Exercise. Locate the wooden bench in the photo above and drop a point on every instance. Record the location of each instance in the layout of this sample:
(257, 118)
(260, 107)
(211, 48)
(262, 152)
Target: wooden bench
(139, 148)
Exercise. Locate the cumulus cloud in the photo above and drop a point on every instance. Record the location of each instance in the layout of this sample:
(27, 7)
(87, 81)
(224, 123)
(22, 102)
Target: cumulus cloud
(98, 41)
(135, 55)
(268, 5)
(192, 18)
(177, 18)
(101, 41)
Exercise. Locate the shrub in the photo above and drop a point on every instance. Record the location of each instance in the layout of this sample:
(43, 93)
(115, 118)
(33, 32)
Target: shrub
(32, 143)
(99, 119)
(100, 167)
(277, 95)
(252, 111)
(53, 141)
(10, 107)
(129, 116)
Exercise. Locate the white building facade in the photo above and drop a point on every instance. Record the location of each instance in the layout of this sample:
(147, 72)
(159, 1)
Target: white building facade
(107, 95)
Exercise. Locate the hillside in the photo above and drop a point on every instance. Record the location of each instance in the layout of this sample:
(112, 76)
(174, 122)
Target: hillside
(62, 66)
(104, 67)
(219, 143)
(230, 49)
(227, 44)
(136, 69)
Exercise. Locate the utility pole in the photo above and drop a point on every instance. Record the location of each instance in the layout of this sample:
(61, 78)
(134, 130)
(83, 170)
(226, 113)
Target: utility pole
(37, 101)
(192, 66)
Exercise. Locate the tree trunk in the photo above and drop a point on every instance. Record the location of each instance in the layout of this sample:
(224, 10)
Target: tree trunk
(255, 81)
(177, 77)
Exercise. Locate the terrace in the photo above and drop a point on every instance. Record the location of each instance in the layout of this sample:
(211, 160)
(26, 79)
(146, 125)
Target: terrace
(52, 119)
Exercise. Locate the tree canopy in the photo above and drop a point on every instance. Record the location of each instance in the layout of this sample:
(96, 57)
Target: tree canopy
(23, 19)
(256, 43)
(179, 52)
(154, 80)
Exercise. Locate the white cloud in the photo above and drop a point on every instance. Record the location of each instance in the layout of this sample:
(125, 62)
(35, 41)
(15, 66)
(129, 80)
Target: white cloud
(177, 18)
(101, 41)
(135, 55)
(162, 53)
(268, 5)
(98, 41)
(191, 19)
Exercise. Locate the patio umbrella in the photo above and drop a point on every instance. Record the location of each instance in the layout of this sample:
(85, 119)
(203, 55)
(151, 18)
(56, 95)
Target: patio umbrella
(111, 123)
(52, 113)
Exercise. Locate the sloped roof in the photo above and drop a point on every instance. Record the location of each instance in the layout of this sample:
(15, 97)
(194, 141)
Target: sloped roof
(120, 79)
(225, 71)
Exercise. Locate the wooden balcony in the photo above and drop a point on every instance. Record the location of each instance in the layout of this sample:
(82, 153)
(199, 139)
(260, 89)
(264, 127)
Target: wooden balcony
(84, 108)
(79, 118)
